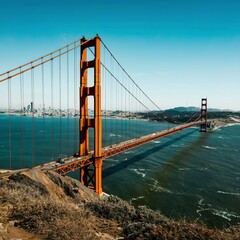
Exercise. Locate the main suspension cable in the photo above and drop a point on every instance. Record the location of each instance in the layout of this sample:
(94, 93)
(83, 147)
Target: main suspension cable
(32, 65)
(129, 76)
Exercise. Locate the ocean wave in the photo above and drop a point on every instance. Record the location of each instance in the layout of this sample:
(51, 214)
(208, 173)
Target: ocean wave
(157, 188)
(139, 171)
(229, 193)
(202, 203)
(209, 147)
(226, 215)
(135, 199)
(203, 169)
(203, 207)
(184, 169)
(114, 135)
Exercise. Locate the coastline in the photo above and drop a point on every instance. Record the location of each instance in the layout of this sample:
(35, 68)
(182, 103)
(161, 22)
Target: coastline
(224, 122)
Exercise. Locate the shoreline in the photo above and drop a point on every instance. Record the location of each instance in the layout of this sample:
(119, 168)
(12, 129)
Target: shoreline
(224, 122)
(218, 122)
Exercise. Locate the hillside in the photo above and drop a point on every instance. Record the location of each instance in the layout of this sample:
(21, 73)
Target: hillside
(37, 205)
(176, 116)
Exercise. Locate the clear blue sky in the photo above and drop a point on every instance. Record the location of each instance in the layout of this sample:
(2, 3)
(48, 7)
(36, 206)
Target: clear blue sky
(178, 51)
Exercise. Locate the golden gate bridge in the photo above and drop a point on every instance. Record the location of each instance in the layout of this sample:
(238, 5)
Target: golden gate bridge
(77, 112)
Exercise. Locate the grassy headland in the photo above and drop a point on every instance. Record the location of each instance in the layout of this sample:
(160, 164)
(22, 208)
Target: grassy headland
(37, 205)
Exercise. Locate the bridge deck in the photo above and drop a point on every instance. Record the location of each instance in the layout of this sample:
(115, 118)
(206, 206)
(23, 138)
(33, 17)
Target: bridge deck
(70, 164)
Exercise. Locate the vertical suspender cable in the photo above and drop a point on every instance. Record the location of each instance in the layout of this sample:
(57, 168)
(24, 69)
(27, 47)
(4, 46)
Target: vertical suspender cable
(52, 107)
(111, 102)
(75, 106)
(68, 137)
(60, 103)
(129, 98)
(33, 119)
(136, 111)
(122, 105)
(21, 117)
(9, 121)
(116, 99)
(43, 116)
(118, 107)
(125, 112)
(105, 96)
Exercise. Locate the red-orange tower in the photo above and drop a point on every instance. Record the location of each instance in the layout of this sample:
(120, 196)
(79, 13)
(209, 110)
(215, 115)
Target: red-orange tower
(91, 176)
(203, 127)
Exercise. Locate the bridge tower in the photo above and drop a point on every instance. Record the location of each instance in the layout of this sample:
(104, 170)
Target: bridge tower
(91, 175)
(203, 127)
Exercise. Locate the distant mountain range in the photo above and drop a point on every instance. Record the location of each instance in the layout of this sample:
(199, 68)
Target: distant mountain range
(196, 109)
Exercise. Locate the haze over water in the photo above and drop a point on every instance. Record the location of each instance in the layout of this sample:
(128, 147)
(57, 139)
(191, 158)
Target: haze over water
(188, 175)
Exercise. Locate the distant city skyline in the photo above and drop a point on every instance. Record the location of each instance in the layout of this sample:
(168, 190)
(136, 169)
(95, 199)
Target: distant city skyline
(178, 51)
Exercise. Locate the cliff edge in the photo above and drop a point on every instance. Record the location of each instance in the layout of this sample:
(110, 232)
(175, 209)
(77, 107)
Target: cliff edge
(38, 205)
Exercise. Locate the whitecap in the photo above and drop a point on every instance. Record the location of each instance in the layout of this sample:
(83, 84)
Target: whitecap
(139, 171)
(208, 207)
(229, 193)
(114, 135)
(209, 147)
(226, 215)
(157, 188)
(203, 169)
(202, 203)
(137, 198)
(184, 169)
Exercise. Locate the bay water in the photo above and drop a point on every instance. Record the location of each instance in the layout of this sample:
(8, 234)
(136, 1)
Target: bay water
(190, 175)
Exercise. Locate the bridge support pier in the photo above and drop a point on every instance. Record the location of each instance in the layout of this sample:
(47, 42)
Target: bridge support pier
(91, 176)
(203, 127)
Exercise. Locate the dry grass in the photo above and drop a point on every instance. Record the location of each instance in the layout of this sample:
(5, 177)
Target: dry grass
(62, 209)
(143, 223)
(32, 207)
